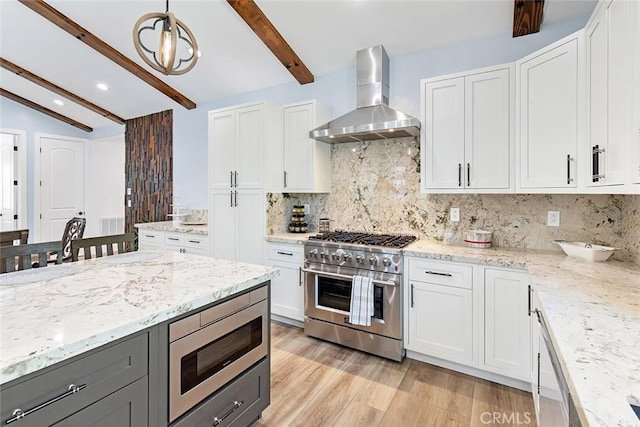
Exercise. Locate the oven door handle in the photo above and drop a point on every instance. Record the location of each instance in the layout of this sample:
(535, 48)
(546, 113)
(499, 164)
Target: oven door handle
(344, 276)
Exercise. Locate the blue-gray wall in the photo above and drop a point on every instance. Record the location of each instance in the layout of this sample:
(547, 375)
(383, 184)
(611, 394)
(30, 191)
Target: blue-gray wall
(336, 90)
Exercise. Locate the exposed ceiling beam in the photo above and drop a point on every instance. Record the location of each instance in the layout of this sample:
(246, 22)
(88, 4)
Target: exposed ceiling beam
(267, 32)
(527, 17)
(8, 65)
(77, 31)
(44, 110)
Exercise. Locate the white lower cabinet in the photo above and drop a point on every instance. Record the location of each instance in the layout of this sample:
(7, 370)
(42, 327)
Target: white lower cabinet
(176, 241)
(506, 323)
(470, 318)
(287, 292)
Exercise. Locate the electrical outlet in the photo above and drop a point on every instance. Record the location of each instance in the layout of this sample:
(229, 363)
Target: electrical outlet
(553, 218)
(129, 203)
(454, 214)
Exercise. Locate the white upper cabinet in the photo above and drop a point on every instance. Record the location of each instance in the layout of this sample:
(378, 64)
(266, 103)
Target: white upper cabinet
(301, 164)
(239, 138)
(635, 159)
(468, 133)
(550, 116)
(609, 57)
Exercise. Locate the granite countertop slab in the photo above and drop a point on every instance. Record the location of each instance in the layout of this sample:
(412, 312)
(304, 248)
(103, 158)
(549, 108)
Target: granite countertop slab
(592, 310)
(47, 321)
(295, 238)
(174, 226)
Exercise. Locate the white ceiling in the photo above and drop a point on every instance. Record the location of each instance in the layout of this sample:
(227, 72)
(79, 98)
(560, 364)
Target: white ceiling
(324, 33)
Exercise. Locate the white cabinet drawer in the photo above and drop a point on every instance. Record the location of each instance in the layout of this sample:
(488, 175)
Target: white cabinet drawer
(441, 273)
(286, 253)
(186, 240)
(150, 238)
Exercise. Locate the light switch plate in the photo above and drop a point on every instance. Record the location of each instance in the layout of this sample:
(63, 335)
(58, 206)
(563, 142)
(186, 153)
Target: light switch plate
(454, 214)
(553, 218)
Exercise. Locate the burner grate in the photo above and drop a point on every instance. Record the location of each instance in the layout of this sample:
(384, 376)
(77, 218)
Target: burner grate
(364, 238)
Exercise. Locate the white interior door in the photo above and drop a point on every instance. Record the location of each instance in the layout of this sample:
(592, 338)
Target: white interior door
(8, 207)
(62, 185)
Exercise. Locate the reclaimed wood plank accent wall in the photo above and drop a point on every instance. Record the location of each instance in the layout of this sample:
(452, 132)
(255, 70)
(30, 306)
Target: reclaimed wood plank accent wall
(149, 168)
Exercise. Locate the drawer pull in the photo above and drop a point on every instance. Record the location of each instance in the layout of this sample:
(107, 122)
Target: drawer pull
(151, 236)
(18, 414)
(236, 405)
(285, 253)
(173, 238)
(195, 241)
(438, 273)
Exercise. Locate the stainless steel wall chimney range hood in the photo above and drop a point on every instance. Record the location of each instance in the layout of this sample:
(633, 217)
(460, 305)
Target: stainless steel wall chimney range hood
(373, 118)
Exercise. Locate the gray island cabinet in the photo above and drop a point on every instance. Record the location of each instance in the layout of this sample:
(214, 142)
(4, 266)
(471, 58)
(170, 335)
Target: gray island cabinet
(102, 356)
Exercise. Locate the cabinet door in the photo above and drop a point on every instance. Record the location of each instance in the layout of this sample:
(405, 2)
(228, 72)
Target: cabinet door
(596, 41)
(222, 143)
(127, 407)
(506, 323)
(250, 226)
(443, 140)
(250, 147)
(621, 19)
(487, 112)
(549, 88)
(223, 225)
(441, 322)
(287, 293)
(298, 148)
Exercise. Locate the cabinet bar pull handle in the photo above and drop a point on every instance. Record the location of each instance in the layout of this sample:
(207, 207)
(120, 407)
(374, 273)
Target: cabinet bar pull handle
(529, 291)
(285, 179)
(231, 178)
(299, 276)
(569, 160)
(235, 180)
(236, 199)
(19, 414)
(194, 241)
(231, 202)
(150, 236)
(236, 405)
(173, 238)
(438, 273)
(285, 253)
(412, 295)
(468, 174)
(459, 174)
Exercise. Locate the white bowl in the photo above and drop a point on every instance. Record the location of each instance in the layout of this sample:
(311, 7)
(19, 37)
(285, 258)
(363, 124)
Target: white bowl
(585, 250)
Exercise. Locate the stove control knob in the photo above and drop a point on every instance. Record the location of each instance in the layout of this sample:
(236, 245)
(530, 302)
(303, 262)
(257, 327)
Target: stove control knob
(313, 253)
(360, 259)
(324, 254)
(335, 256)
(386, 262)
(347, 257)
(373, 260)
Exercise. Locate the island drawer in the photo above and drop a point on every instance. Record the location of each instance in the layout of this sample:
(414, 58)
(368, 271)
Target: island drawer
(47, 395)
(189, 240)
(441, 273)
(239, 403)
(286, 253)
(150, 238)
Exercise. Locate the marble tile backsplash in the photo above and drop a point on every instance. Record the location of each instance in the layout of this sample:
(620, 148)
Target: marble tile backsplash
(375, 187)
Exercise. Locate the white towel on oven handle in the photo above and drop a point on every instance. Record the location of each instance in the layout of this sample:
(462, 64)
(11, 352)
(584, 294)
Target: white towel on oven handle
(361, 307)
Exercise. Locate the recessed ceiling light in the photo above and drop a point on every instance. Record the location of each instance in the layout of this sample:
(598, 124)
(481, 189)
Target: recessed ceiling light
(58, 102)
(102, 86)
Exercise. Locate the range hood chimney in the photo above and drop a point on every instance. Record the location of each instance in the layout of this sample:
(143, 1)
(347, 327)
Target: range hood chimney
(373, 118)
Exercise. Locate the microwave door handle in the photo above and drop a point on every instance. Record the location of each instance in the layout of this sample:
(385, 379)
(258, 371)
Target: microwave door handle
(346, 277)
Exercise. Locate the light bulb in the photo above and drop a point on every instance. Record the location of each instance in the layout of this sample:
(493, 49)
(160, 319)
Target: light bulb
(165, 49)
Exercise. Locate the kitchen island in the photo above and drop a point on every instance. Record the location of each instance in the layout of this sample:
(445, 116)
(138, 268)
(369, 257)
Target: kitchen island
(51, 315)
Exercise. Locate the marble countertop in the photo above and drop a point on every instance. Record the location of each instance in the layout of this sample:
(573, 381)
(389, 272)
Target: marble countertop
(174, 226)
(592, 310)
(100, 300)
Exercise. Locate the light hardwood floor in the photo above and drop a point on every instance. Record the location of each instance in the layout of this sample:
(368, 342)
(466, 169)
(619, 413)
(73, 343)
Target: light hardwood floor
(316, 383)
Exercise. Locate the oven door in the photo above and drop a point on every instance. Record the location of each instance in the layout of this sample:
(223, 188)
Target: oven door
(204, 361)
(327, 296)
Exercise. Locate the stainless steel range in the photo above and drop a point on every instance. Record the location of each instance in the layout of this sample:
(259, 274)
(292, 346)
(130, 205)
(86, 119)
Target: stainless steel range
(331, 261)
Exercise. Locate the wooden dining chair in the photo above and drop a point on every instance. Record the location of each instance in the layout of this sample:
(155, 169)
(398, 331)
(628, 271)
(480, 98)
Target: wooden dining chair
(103, 245)
(19, 257)
(74, 229)
(9, 238)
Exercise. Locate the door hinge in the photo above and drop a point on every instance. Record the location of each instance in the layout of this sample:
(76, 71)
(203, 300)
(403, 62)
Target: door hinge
(41, 149)
(15, 217)
(15, 182)
(15, 148)
(40, 216)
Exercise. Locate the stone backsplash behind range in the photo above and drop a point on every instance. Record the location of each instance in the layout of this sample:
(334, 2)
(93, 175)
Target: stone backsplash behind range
(375, 187)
